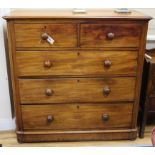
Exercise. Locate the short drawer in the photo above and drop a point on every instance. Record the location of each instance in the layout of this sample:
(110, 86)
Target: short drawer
(96, 63)
(110, 35)
(76, 116)
(64, 90)
(35, 35)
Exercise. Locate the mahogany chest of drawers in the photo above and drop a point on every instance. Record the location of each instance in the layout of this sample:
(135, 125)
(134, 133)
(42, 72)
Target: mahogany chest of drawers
(76, 76)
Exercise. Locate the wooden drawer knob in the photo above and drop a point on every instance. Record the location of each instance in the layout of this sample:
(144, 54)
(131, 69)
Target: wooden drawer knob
(49, 92)
(48, 38)
(106, 90)
(50, 118)
(110, 36)
(47, 63)
(105, 117)
(107, 63)
(44, 36)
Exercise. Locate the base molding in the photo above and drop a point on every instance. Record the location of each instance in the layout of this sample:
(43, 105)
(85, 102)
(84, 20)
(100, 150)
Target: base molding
(57, 136)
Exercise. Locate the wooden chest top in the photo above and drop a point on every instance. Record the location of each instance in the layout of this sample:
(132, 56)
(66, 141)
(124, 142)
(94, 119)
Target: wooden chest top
(68, 13)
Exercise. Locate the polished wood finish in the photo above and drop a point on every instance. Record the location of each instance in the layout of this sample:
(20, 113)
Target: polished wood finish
(76, 76)
(30, 35)
(68, 14)
(101, 35)
(8, 139)
(76, 63)
(67, 136)
(76, 116)
(76, 90)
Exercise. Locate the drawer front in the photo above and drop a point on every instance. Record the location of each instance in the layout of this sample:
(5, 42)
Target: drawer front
(35, 35)
(76, 116)
(114, 35)
(76, 63)
(76, 90)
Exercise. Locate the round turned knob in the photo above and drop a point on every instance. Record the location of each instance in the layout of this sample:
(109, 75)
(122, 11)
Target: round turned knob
(107, 63)
(110, 35)
(49, 92)
(44, 36)
(105, 117)
(106, 90)
(47, 63)
(50, 118)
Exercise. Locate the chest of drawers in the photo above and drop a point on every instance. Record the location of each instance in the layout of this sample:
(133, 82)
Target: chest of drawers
(76, 76)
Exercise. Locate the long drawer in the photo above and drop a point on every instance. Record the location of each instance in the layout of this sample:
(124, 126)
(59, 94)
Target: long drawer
(110, 35)
(76, 90)
(36, 35)
(76, 116)
(35, 63)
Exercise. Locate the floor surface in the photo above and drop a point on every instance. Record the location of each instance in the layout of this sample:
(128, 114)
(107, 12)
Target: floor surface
(8, 139)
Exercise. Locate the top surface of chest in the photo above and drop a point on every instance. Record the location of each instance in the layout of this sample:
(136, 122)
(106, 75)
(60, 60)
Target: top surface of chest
(69, 13)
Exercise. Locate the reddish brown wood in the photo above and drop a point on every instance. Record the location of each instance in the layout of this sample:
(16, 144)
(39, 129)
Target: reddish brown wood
(76, 90)
(139, 73)
(47, 63)
(33, 35)
(101, 35)
(86, 135)
(44, 36)
(88, 80)
(14, 83)
(76, 116)
(68, 14)
(76, 63)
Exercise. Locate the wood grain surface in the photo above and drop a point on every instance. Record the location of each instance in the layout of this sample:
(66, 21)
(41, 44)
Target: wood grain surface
(76, 116)
(68, 13)
(76, 63)
(96, 35)
(9, 139)
(76, 90)
(29, 35)
(86, 84)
